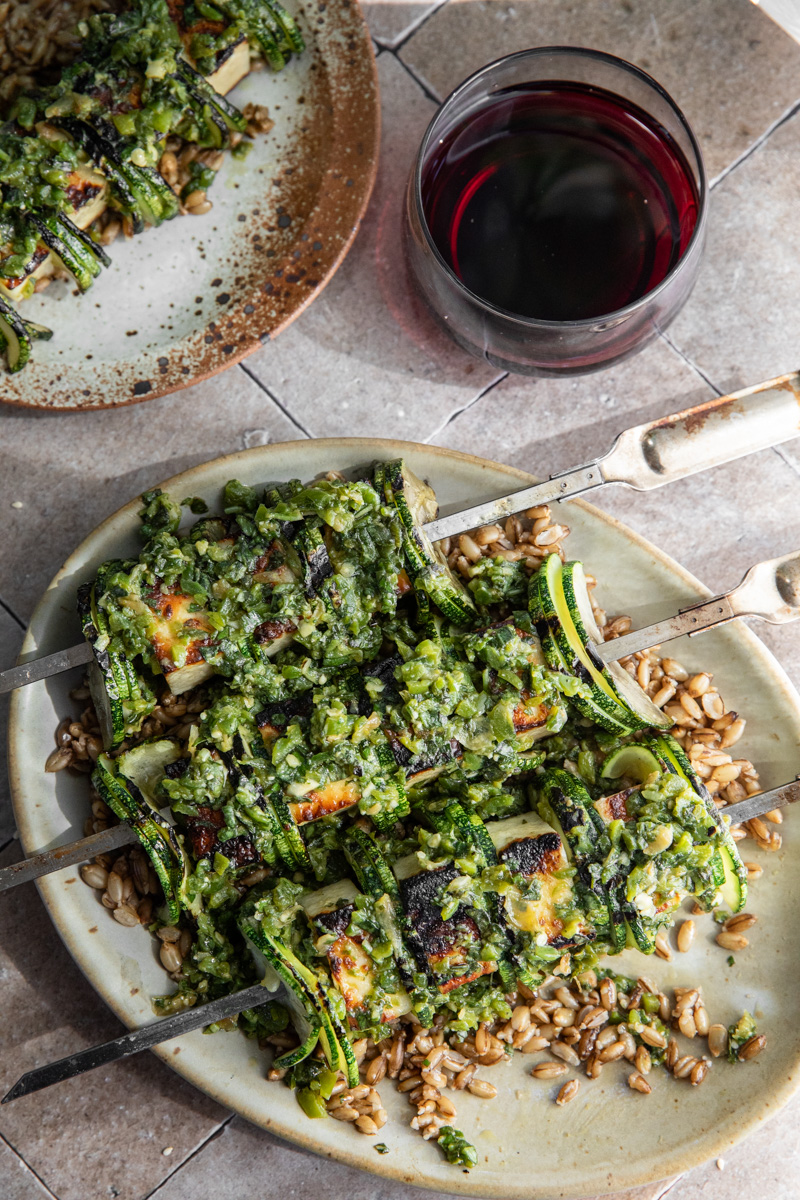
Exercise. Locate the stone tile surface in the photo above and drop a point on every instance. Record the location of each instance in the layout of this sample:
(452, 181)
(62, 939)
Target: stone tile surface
(742, 321)
(71, 470)
(243, 1162)
(365, 359)
(391, 21)
(100, 1135)
(704, 52)
(19, 1182)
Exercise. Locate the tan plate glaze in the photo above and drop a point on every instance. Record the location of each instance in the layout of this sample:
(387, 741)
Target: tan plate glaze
(609, 1137)
(184, 301)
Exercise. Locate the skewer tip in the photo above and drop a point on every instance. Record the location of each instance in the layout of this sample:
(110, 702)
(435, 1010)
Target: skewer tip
(19, 1089)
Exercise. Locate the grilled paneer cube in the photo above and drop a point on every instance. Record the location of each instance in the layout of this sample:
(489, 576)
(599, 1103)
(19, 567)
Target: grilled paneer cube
(370, 987)
(544, 908)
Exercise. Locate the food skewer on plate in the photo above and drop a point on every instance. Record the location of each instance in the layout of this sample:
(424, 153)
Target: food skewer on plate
(185, 1022)
(769, 591)
(642, 457)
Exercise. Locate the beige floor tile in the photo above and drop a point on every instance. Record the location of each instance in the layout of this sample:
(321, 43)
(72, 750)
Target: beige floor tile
(716, 524)
(767, 1164)
(71, 470)
(743, 320)
(10, 642)
(101, 1135)
(18, 1182)
(390, 21)
(730, 68)
(548, 425)
(244, 1163)
(365, 359)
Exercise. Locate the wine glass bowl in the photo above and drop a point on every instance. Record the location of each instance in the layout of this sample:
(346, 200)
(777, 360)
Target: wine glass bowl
(556, 210)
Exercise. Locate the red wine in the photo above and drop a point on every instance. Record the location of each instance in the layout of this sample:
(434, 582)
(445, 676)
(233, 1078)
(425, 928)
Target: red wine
(559, 201)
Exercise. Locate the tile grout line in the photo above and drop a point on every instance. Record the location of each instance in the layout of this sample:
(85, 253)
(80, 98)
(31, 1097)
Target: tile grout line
(278, 404)
(455, 415)
(8, 609)
(27, 1166)
(790, 462)
(215, 1133)
(756, 145)
(413, 28)
(431, 95)
(689, 362)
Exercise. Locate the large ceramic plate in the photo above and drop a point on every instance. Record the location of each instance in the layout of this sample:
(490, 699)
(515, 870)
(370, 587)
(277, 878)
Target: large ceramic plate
(188, 299)
(609, 1137)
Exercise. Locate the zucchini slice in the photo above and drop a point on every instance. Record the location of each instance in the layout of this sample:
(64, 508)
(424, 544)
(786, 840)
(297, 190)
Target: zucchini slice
(36, 332)
(197, 83)
(371, 868)
(734, 884)
(583, 633)
(304, 991)
(121, 698)
(85, 238)
(16, 337)
(547, 611)
(570, 802)
(325, 800)
(158, 839)
(291, 842)
(567, 806)
(60, 241)
(415, 504)
(144, 766)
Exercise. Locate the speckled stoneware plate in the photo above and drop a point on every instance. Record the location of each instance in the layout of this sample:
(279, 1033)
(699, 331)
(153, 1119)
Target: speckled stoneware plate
(609, 1137)
(184, 301)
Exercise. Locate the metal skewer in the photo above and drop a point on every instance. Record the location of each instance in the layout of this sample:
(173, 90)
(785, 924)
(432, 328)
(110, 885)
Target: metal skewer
(66, 856)
(195, 1018)
(770, 590)
(642, 457)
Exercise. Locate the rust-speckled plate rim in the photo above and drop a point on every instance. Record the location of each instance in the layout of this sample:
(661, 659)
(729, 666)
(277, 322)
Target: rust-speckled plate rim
(635, 1168)
(334, 220)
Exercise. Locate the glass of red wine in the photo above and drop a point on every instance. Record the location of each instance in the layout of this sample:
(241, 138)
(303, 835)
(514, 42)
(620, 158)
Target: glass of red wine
(556, 211)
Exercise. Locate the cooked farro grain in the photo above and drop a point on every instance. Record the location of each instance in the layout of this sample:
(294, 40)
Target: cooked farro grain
(717, 1040)
(37, 36)
(568, 1092)
(752, 1048)
(732, 941)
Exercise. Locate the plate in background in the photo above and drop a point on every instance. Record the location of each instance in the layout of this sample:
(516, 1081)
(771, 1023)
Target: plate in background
(609, 1137)
(186, 300)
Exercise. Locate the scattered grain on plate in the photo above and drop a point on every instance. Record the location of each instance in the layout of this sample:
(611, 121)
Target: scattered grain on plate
(685, 936)
(568, 1092)
(732, 941)
(752, 1048)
